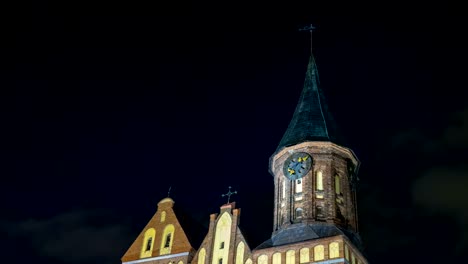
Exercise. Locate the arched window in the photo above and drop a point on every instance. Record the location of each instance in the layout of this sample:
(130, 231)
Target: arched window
(299, 213)
(201, 256)
(163, 216)
(299, 185)
(262, 259)
(240, 253)
(334, 249)
(277, 258)
(180, 262)
(337, 184)
(222, 237)
(290, 257)
(304, 252)
(167, 239)
(248, 261)
(148, 243)
(319, 253)
(353, 258)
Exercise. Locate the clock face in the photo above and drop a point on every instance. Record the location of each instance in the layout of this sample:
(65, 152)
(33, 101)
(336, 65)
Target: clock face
(297, 165)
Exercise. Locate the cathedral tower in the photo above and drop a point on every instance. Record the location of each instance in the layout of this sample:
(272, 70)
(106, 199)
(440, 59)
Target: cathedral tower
(314, 176)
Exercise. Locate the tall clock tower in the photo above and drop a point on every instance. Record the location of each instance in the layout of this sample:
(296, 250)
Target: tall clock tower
(314, 176)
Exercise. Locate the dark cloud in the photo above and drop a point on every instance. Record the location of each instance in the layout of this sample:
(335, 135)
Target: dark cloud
(456, 135)
(73, 237)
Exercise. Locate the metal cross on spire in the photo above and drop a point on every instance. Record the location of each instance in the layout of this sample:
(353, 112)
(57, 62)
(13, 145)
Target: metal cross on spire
(228, 194)
(309, 28)
(169, 191)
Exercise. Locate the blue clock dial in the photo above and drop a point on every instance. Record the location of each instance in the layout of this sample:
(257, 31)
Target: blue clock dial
(297, 165)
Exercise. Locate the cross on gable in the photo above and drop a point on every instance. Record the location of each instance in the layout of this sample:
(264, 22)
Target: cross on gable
(228, 194)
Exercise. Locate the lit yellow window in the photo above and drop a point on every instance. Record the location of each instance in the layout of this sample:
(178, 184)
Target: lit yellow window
(167, 239)
(222, 239)
(180, 262)
(240, 253)
(337, 184)
(277, 258)
(201, 256)
(319, 184)
(319, 252)
(353, 259)
(304, 253)
(334, 249)
(248, 261)
(290, 257)
(163, 216)
(148, 243)
(263, 259)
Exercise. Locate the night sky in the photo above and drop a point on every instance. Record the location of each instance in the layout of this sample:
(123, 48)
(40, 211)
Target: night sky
(113, 103)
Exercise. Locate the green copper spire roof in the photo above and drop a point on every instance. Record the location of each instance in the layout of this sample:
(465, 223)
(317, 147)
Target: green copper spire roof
(311, 120)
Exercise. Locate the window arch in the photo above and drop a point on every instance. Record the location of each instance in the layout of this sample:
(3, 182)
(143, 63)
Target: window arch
(319, 252)
(262, 259)
(290, 257)
(304, 255)
(180, 262)
(201, 256)
(248, 261)
(163, 216)
(240, 253)
(167, 240)
(148, 243)
(334, 249)
(277, 258)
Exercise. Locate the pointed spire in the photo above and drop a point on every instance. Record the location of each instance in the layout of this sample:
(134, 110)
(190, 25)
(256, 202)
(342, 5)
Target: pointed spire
(311, 120)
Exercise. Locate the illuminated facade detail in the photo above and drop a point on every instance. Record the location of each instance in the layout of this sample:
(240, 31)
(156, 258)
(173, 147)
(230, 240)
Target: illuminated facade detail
(223, 234)
(299, 185)
(180, 262)
(148, 243)
(334, 249)
(163, 216)
(167, 239)
(277, 258)
(240, 253)
(353, 258)
(346, 252)
(262, 259)
(248, 261)
(290, 257)
(201, 256)
(304, 255)
(319, 252)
